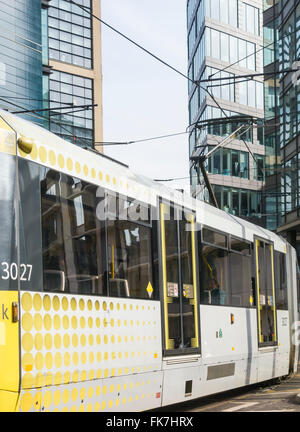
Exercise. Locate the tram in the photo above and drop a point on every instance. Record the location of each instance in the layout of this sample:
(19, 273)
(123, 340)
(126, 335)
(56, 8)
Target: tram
(120, 294)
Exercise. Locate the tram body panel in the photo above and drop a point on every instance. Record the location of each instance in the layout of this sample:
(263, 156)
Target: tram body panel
(207, 379)
(136, 392)
(182, 382)
(227, 333)
(9, 352)
(80, 352)
(294, 306)
(229, 346)
(283, 323)
(74, 339)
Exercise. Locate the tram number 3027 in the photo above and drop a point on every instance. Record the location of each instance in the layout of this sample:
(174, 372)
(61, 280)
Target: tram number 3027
(11, 271)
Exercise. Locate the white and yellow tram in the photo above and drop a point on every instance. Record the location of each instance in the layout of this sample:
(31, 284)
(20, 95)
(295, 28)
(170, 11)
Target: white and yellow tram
(119, 294)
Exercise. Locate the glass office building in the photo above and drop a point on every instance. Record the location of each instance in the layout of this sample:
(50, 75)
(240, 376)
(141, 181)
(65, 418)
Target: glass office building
(72, 70)
(225, 40)
(21, 56)
(50, 58)
(289, 133)
(272, 193)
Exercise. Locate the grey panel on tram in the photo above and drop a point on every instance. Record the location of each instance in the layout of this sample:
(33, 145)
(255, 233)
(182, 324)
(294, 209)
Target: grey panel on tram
(220, 371)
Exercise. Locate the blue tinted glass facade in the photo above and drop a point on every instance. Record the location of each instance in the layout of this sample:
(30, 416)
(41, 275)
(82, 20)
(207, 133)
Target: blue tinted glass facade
(20, 55)
(77, 125)
(70, 33)
(289, 118)
(224, 39)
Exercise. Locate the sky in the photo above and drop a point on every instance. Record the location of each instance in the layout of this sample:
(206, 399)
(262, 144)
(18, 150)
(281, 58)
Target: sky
(142, 98)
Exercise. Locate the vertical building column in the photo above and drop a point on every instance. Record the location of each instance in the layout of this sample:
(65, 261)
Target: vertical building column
(97, 65)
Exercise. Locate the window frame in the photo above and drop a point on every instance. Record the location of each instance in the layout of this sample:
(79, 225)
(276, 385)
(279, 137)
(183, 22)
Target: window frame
(242, 240)
(261, 344)
(104, 238)
(107, 194)
(179, 351)
(218, 232)
(229, 250)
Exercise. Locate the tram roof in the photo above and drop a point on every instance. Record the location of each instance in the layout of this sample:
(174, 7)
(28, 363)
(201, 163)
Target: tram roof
(54, 152)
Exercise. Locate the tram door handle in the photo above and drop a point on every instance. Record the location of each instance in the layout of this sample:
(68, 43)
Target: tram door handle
(253, 289)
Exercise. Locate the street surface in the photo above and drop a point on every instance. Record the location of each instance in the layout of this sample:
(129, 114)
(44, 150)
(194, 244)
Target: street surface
(266, 397)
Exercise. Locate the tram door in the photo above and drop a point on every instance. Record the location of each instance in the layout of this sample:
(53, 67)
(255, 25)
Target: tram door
(266, 304)
(180, 297)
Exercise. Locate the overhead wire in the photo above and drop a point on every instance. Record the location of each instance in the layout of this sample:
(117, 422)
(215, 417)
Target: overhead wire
(169, 66)
(140, 140)
(165, 63)
(128, 39)
(41, 117)
(27, 111)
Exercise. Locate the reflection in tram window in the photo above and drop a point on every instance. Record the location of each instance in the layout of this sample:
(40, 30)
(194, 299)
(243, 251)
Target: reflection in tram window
(214, 275)
(129, 259)
(30, 223)
(281, 283)
(72, 235)
(187, 283)
(213, 237)
(180, 287)
(240, 273)
(225, 274)
(172, 274)
(266, 301)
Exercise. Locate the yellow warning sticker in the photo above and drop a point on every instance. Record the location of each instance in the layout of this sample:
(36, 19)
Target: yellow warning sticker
(149, 289)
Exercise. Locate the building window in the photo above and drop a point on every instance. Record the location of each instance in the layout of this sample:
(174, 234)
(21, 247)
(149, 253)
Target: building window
(199, 57)
(259, 167)
(239, 202)
(75, 126)
(222, 46)
(289, 114)
(290, 181)
(192, 37)
(225, 11)
(70, 33)
(229, 162)
(190, 9)
(271, 42)
(251, 94)
(250, 21)
(222, 129)
(194, 105)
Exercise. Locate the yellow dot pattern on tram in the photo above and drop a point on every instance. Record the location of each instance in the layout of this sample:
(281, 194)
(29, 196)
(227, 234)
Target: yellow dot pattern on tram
(59, 161)
(73, 342)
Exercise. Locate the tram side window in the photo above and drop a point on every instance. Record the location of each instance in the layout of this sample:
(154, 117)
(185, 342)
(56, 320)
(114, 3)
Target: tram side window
(266, 297)
(30, 226)
(281, 282)
(240, 273)
(130, 251)
(172, 276)
(72, 235)
(214, 277)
